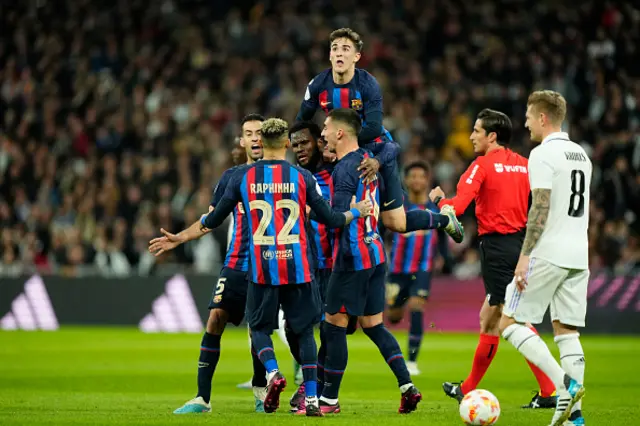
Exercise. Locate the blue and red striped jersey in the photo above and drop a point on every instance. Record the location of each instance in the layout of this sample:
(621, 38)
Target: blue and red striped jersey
(362, 94)
(238, 253)
(414, 251)
(275, 194)
(323, 235)
(358, 245)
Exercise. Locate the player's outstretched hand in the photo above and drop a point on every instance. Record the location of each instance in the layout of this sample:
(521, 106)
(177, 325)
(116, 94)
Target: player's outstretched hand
(436, 194)
(521, 272)
(365, 207)
(167, 242)
(369, 168)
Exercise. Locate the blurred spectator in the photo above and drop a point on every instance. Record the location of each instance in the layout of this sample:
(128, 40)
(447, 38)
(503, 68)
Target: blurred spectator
(117, 118)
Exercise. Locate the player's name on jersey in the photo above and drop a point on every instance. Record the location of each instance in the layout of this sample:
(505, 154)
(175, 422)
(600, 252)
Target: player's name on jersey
(575, 156)
(278, 188)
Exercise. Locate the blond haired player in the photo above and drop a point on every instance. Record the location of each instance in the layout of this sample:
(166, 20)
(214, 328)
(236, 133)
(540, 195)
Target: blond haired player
(553, 269)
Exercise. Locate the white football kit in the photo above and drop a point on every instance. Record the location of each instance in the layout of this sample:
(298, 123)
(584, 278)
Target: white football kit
(558, 273)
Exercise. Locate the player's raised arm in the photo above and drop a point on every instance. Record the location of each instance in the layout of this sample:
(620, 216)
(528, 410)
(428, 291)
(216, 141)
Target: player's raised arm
(467, 190)
(336, 217)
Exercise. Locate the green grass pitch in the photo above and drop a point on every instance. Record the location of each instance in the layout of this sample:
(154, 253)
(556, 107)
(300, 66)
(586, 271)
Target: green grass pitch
(86, 376)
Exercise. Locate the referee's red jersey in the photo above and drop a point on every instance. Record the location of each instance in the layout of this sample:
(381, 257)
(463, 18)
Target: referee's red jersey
(499, 183)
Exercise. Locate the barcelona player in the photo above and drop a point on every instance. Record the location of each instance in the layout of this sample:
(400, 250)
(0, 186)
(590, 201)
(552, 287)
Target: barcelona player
(356, 286)
(345, 86)
(412, 254)
(229, 297)
(311, 153)
(274, 194)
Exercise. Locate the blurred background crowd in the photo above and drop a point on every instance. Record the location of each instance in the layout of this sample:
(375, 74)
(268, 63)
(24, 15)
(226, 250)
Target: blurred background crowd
(117, 118)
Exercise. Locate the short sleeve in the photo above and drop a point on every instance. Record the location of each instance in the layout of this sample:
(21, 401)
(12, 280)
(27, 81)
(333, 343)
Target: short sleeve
(540, 170)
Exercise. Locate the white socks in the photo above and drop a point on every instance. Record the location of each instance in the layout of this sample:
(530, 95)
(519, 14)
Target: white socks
(572, 359)
(329, 401)
(535, 350)
(406, 387)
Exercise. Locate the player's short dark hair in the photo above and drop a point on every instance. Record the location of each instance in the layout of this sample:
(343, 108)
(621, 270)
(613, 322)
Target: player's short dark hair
(347, 33)
(417, 165)
(349, 117)
(252, 117)
(313, 128)
(274, 133)
(496, 122)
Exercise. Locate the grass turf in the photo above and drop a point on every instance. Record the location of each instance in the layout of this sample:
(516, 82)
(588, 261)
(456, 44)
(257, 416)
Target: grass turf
(121, 376)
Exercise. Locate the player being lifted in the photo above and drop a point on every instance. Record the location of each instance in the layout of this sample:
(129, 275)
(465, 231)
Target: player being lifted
(228, 300)
(412, 254)
(274, 194)
(553, 269)
(356, 286)
(345, 86)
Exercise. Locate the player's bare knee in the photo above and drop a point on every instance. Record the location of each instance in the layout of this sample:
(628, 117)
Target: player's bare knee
(217, 321)
(560, 328)
(394, 315)
(370, 320)
(505, 322)
(490, 319)
(416, 303)
(339, 319)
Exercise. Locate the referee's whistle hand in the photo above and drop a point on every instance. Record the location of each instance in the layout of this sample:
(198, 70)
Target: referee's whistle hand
(436, 193)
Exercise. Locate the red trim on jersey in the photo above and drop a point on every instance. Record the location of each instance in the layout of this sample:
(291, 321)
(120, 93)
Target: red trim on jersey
(378, 139)
(416, 256)
(397, 264)
(323, 230)
(237, 240)
(344, 98)
(361, 226)
(304, 243)
(255, 221)
(323, 99)
(278, 216)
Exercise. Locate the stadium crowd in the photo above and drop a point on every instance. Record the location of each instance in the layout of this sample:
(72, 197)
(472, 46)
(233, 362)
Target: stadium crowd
(117, 118)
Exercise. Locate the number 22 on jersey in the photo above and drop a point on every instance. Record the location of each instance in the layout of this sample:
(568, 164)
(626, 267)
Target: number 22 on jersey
(284, 236)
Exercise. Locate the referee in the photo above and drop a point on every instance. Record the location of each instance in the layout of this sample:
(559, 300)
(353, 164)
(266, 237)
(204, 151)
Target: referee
(499, 184)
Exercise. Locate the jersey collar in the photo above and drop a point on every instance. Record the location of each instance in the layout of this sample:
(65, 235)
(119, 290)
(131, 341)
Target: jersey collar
(564, 136)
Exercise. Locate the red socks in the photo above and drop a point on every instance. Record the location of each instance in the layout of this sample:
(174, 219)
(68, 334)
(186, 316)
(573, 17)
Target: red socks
(485, 352)
(547, 388)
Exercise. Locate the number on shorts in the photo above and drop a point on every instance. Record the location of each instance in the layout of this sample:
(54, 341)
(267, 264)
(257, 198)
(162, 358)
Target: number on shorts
(577, 191)
(220, 286)
(284, 236)
(376, 208)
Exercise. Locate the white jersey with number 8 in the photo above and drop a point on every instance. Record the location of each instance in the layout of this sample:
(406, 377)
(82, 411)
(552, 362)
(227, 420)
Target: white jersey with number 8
(563, 167)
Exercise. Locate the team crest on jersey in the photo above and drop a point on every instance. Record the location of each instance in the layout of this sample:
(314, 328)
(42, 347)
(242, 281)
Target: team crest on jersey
(217, 299)
(356, 104)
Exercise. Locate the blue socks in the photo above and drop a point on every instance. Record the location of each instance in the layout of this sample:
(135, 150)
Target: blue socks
(263, 345)
(425, 219)
(390, 350)
(209, 356)
(322, 355)
(259, 372)
(336, 361)
(416, 330)
(308, 361)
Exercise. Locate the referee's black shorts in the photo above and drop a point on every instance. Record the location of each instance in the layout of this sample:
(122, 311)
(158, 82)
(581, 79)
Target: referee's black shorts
(499, 254)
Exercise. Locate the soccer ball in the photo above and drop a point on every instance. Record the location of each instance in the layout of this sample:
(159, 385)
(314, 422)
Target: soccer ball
(480, 407)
